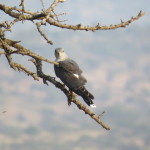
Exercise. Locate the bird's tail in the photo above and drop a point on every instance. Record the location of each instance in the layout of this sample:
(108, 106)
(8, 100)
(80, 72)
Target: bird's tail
(86, 95)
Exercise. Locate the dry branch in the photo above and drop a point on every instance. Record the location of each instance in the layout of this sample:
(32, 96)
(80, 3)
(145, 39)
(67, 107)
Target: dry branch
(49, 16)
(97, 27)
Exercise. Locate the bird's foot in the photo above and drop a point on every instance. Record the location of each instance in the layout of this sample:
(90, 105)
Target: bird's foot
(72, 96)
(69, 102)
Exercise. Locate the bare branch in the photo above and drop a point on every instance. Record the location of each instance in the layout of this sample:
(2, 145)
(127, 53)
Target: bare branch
(6, 44)
(22, 5)
(49, 19)
(97, 27)
(42, 33)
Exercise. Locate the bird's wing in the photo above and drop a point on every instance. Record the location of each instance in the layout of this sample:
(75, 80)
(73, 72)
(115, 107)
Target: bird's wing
(70, 66)
(70, 73)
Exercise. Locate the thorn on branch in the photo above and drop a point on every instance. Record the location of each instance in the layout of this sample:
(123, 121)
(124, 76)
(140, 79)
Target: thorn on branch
(101, 115)
(122, 21)
(32, 60)
(98, 25)
(141, 13)
(79, 25)
(45, 82)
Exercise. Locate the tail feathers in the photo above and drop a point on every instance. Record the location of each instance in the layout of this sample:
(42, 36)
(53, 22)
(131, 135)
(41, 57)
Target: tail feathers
(88, 101)
(85, 92)
(87, 96)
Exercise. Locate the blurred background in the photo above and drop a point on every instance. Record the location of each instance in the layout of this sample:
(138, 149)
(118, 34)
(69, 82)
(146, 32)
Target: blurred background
(116, 64)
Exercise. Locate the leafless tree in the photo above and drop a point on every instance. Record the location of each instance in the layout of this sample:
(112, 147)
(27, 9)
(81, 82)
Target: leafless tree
(43, 17)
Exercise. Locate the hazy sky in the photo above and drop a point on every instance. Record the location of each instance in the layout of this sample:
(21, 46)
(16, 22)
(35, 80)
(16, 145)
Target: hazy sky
(116, 64)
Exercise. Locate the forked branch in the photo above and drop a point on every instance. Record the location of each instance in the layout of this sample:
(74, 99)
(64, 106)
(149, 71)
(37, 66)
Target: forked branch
(48, 16)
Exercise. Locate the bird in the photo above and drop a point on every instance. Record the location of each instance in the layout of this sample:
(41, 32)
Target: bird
(71, 75)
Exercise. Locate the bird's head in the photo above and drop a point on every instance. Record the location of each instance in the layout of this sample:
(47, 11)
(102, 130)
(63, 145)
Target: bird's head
(60, 54)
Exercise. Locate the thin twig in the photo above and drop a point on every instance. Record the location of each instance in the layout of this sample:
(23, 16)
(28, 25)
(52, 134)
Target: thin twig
(22, 5)
(42, 33)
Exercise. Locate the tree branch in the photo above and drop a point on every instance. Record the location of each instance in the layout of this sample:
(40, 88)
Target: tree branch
(6, 44)
(42, 34)
(25, 70)
(97, 27)
(49, 19)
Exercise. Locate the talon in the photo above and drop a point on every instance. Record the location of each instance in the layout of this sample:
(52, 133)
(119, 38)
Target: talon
(69, 102)
(71, 97)
(72, 94)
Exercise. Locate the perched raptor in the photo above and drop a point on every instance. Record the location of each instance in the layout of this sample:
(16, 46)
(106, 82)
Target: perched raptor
(71, 75)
